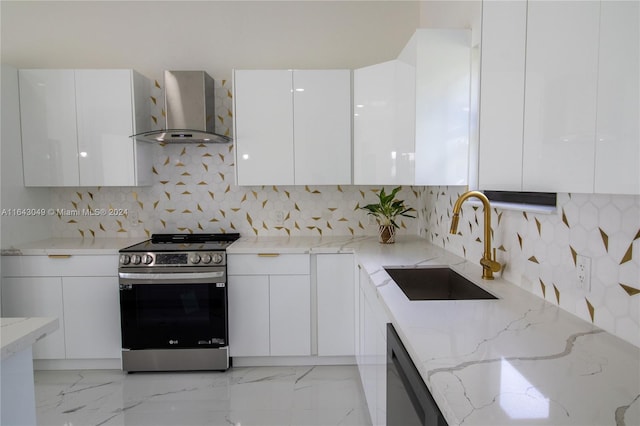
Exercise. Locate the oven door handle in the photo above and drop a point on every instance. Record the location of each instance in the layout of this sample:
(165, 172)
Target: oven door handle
(174, 278)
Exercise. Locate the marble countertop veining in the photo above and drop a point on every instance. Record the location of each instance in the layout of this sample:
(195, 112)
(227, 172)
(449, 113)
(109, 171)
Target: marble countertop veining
(17, 334)
(517, 360)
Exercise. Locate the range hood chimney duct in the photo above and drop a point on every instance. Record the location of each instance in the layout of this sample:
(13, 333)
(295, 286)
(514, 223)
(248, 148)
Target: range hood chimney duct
(189, 110)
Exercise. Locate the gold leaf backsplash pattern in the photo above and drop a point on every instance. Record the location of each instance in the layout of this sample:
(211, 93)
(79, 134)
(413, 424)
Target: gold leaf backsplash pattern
(189, 197)
(539, 251)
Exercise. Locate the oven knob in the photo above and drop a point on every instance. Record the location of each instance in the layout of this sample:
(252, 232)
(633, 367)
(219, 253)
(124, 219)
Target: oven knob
(194, 258)
(147, 259)
(125, 259)
(217, 258)
(136, 259)
(206, 258)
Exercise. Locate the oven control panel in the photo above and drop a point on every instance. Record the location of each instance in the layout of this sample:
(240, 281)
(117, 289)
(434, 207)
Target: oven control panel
(181, 258)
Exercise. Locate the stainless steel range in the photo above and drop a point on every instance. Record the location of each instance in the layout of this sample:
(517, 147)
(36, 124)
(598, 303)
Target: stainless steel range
(173, 303)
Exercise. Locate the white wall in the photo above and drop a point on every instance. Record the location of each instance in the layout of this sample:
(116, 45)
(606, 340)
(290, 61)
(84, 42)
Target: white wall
(215, 36)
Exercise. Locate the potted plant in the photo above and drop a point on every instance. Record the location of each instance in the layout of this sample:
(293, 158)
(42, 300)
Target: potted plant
(385, 211)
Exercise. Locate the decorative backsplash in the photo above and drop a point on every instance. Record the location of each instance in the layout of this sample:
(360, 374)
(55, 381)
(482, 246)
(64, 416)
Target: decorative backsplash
(539, 251)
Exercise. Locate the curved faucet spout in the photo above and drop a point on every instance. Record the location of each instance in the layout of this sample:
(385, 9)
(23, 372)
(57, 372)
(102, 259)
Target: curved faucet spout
(488, 261)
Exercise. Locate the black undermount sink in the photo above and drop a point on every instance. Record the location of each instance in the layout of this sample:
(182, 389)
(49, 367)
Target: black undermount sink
(421, 283)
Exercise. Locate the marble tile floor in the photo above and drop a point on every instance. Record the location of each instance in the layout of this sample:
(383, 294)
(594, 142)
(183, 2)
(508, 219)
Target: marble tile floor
(244, 396)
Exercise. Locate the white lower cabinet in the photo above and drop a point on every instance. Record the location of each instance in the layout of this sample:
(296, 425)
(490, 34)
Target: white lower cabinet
(91, 317)
(81, 291)
(275, 306)
(248, 315)
(290, 314)
(335, 275)
(372, 349)
(269, 305)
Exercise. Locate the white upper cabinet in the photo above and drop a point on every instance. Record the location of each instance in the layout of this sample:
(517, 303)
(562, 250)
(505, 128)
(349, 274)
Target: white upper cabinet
(411, 115)
(322, 127)
(263, 126)
(76, 126)
(579, 96)
(502, 64)
(384, 124)
(107, 116)
(442, 61)
(49, 134)
(292, 127)
(617, 169)
(560, 96)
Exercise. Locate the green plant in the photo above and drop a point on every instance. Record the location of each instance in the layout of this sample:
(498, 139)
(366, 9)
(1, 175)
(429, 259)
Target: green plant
(388, 208)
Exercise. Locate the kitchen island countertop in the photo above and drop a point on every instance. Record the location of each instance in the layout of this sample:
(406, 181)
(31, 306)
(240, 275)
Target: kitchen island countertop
(517, 360)
(20, 333)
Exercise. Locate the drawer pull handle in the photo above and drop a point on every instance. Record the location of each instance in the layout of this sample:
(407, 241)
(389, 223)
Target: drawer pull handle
(59, 256)
(268, 254)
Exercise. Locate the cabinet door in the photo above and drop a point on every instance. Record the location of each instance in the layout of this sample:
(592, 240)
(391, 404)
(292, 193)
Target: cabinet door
(381, 373)
(443, 81)
(48, 122)
(248, 315)
(37, 297)
(105, 122)
(369, 348)
(336, 320)
(504, 26)
(290, 316)
(384, 124)
(322, 128)
(263, 127)
(91, 317)
(560, 101)
(618, 127)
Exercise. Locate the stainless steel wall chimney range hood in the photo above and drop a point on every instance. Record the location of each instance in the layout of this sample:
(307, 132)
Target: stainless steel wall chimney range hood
(189, 110)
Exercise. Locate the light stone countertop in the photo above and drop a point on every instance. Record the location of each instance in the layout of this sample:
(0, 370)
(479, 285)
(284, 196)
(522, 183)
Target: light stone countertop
(517, 360)
(17, 334)
(72, 246)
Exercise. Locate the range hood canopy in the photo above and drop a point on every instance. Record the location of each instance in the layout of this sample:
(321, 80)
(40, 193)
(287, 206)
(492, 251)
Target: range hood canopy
(189, 110)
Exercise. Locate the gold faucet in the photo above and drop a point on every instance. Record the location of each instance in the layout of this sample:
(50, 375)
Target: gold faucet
(489, 263)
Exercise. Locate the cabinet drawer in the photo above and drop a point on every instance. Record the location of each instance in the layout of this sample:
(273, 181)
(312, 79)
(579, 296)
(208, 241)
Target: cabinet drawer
(58, 266)
(268, 264)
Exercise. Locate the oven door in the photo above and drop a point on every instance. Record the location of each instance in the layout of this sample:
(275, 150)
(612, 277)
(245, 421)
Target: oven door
(174, 309)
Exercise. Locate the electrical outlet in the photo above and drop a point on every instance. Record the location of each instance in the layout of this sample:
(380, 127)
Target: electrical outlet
(583, 273)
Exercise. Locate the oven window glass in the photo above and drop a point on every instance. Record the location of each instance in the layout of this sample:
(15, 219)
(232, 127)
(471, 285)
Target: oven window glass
(173, 306)
(173, 315)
